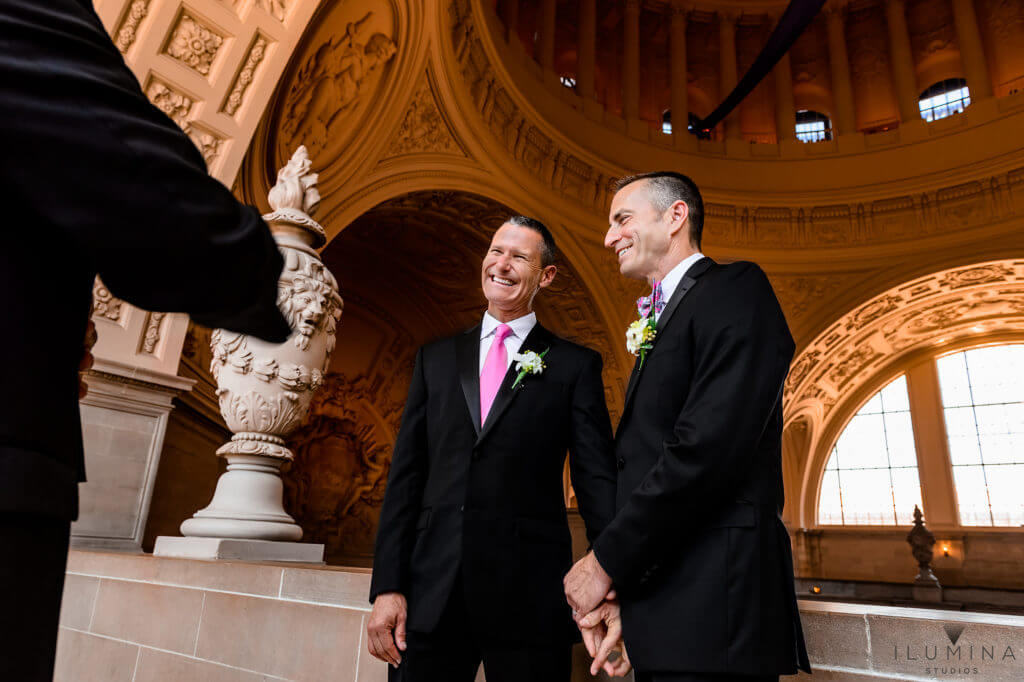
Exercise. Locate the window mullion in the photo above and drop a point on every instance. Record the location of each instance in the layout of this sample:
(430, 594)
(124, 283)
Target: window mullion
(935, 468)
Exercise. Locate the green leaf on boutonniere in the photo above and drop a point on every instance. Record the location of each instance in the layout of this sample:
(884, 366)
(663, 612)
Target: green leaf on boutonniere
(528, 363)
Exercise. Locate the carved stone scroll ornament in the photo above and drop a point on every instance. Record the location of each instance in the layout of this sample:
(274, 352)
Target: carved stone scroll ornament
(265, 389)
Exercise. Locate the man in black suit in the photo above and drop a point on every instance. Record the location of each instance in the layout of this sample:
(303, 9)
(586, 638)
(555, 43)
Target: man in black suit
(697, 552)
(473, 540)
(95, 180)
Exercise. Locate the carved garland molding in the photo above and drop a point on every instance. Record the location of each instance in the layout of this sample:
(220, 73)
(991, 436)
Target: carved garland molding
(935, 310)
(894, 219)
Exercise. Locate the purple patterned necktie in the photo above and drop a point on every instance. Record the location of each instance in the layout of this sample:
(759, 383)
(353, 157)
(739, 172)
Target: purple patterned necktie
(656, 300)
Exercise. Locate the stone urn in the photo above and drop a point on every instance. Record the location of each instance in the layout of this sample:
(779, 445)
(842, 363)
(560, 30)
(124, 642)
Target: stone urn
(265, 389)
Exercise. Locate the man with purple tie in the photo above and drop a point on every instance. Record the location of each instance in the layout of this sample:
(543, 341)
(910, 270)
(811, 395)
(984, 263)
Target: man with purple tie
(473, 539)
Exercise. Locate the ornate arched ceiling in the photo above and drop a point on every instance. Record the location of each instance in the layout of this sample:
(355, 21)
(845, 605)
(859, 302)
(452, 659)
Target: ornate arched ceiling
(879, 339)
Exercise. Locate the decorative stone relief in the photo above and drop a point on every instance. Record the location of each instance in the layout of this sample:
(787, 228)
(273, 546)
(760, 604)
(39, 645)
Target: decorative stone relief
(423, 129)
(104, 303)
(176, 104)
(194, 44)
(209, 143)
(952, 304)
(275, 8)
(333, 80)
(151, 335)
(245, 76)
(137, 11)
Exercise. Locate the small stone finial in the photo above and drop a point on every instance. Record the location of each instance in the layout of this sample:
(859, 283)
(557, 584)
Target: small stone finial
(921, 541)
(296, 185)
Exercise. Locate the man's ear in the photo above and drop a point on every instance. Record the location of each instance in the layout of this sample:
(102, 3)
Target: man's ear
(678, 215)
(547, 276)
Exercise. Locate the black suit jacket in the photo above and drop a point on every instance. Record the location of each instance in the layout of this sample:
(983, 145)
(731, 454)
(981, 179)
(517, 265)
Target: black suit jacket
(490, 498)
(697, 549)
(96, 179)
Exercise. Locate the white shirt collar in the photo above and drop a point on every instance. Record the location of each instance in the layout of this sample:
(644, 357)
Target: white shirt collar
(521, 326)
(675, 275)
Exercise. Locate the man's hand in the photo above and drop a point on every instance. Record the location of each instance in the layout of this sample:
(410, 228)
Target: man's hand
(586, 584)
(85, 364)
(385, 631)
(602, 634)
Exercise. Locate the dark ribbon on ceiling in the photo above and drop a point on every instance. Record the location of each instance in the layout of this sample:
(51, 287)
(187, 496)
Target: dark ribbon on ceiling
(794, 21)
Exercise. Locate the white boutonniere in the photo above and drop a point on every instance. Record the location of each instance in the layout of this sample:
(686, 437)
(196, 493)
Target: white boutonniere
(528, 363)
(640, 337)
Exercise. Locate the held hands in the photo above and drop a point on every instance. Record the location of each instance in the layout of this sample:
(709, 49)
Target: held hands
(386, 628)
(586, 584)
(602, 635)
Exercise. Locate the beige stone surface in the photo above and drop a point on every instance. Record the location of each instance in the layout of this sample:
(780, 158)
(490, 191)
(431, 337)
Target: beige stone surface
(262, 579)
(82, 657)
(316, 642)
(77, 603)
(349, 587)
(836, 639)
(153, 615)
(161, 666)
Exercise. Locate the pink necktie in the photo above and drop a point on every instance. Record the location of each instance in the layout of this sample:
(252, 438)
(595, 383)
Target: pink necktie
(495, 368)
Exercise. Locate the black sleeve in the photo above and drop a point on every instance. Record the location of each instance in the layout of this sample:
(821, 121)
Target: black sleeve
(591, 450)
(89, 159)
(742, 353)
(396, 530)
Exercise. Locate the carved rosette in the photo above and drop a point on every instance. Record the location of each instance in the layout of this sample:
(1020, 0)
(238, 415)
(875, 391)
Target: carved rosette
(265, 389)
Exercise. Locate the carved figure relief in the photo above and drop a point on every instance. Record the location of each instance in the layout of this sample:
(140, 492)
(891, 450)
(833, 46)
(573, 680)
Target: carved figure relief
(335, 78)
(423, 129)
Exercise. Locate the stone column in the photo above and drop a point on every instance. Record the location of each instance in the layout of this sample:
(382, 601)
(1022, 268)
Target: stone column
(785, 109)
(727, 69)
(631, 62)
(510, 15)
(265, 390)
(971, 52)
(845, 116)
(903, 76)
(547, 35)
(679, 106)
(587, 42)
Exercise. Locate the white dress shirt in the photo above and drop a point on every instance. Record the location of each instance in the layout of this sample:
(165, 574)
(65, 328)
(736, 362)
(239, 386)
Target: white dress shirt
(521, 326)
(675, 276)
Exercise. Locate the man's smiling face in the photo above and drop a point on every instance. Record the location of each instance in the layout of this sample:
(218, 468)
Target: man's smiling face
(513, 271)
(638, 233)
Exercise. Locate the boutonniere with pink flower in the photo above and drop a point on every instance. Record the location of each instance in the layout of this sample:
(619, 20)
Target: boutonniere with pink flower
(641, 333)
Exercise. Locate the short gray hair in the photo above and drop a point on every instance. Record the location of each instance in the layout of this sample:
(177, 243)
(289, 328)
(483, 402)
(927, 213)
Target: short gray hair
(666, 188)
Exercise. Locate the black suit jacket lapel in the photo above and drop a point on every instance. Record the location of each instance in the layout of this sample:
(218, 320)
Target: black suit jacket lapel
(685, 284)
(537, 340)
(467, 356)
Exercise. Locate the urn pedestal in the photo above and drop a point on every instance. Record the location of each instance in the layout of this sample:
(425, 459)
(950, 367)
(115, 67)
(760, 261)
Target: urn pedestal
(265, 391)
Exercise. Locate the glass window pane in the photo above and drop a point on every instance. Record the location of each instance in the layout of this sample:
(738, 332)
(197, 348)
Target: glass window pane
(894, 396)
(972, 496)
(906, 492)
(829, 505)
(899, 436)
(867, 497)
(874, 460)
(1005, 486)
(986, 385)
(964, 450)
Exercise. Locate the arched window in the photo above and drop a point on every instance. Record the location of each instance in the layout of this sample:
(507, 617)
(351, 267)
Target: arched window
(812, 126)
(943, 99)
(983, 406)
(871, 476)
(666, 121)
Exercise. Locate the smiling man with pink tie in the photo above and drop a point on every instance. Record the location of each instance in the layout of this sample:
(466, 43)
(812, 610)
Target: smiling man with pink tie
(473, 539)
